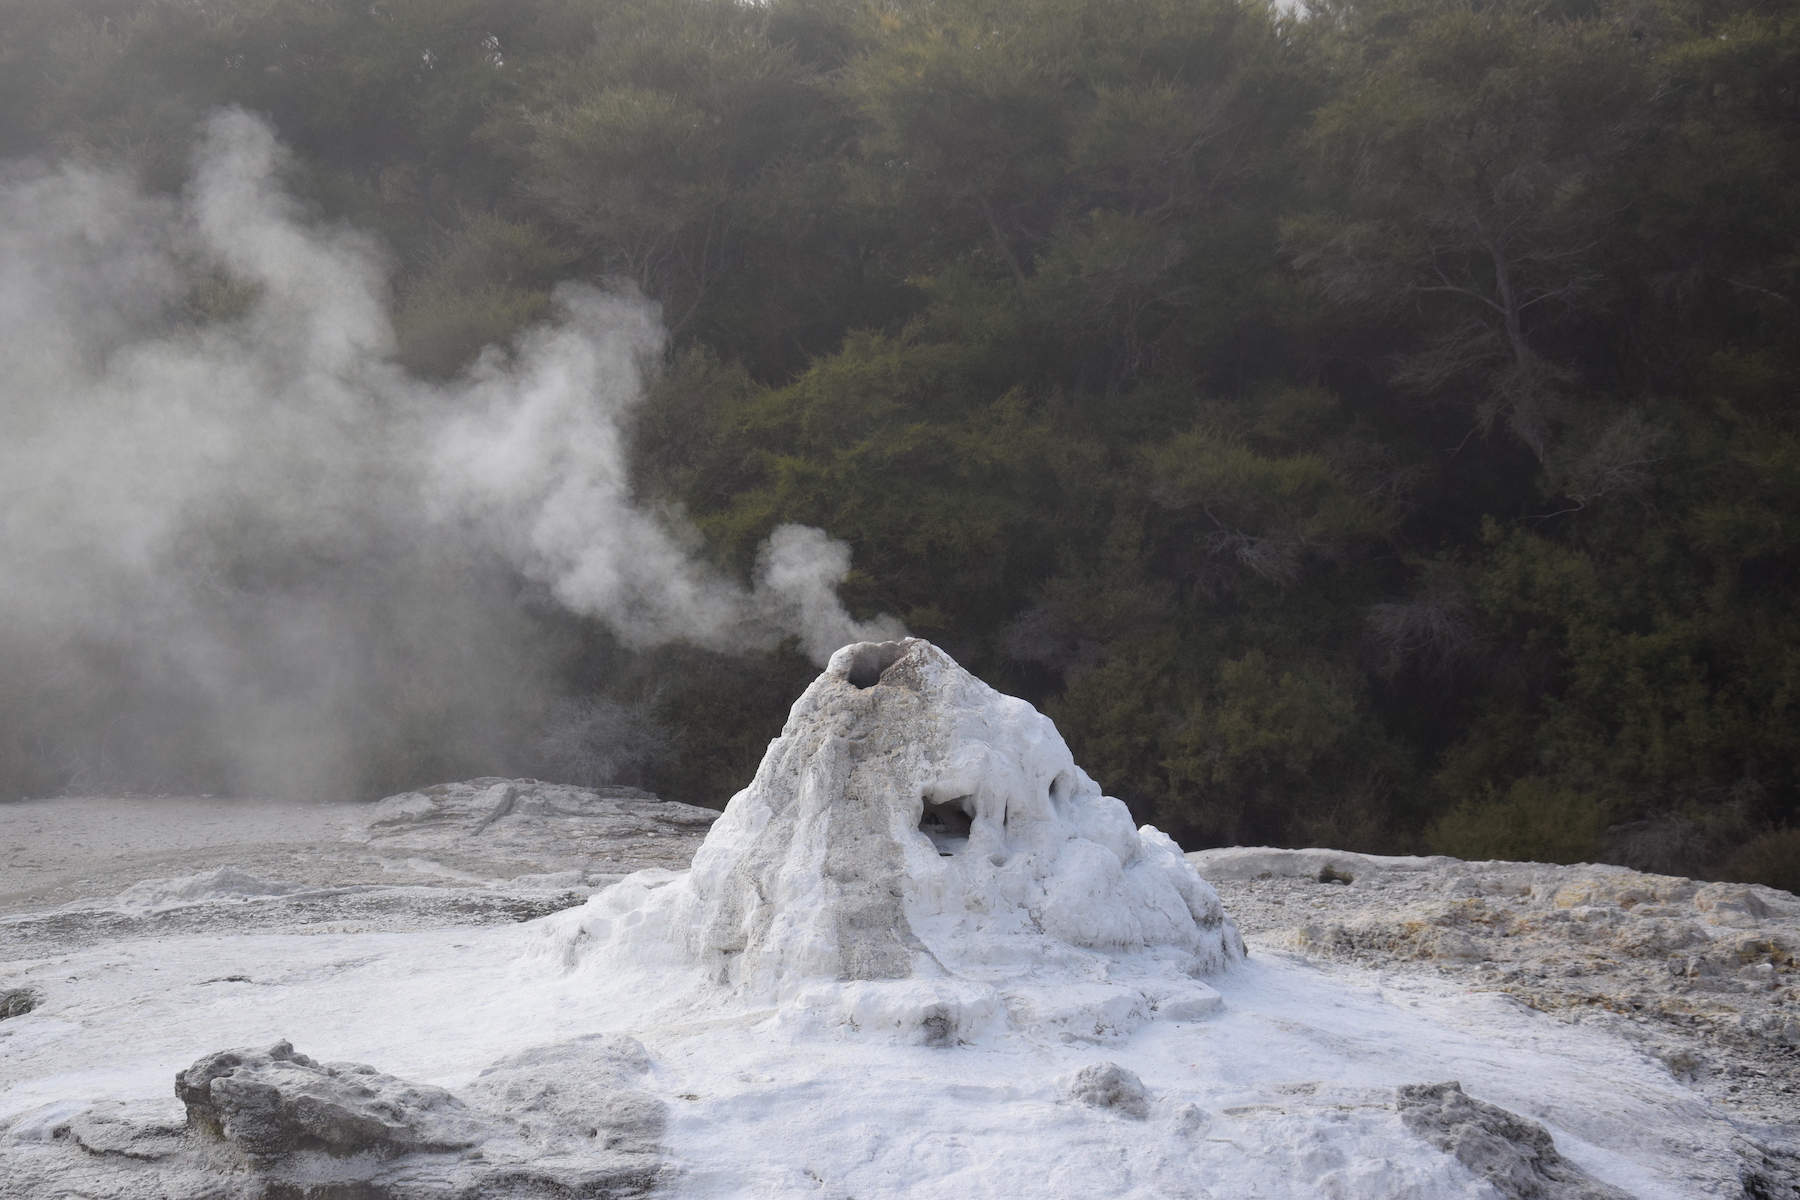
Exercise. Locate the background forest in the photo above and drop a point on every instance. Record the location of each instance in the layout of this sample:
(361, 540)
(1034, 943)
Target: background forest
(1372, 425)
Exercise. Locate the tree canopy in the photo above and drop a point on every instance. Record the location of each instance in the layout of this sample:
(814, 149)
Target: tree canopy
(1370, 424)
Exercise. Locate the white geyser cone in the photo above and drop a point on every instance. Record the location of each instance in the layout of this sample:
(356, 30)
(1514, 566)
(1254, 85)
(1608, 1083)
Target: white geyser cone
(920, 853)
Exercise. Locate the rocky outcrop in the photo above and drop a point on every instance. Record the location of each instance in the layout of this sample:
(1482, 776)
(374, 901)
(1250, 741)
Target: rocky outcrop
(557, 1121)
(477, 852)
(271, 1103)
(1108, 1085)
(1703, 977)
(1516, 1156)
(16, 1002)
(915, 849)
(1726, 955)
(487, 824)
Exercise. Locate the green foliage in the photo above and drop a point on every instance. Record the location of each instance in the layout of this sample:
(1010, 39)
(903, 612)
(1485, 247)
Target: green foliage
(721, 714)
(1532, 820)
(438, 330)
(1241, 750)
(1455, 178)
(484, 284)
(1375, 426)
(1772, 858)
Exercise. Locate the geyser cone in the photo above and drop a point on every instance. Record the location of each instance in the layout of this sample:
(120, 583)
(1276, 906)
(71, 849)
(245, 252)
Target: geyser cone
(917, 846)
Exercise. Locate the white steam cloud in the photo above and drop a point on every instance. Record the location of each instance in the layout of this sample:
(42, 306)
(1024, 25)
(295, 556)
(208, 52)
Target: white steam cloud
(266, 518)
(534, 454)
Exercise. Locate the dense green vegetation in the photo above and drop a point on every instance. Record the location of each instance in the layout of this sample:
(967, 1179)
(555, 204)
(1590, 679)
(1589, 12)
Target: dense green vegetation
(1374, 426)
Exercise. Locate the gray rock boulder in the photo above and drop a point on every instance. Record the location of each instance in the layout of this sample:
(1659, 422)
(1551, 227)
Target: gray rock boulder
(559, 1121)
(1516, 1156)
(271, 1103)
(16, 1002)
(1108, 1085)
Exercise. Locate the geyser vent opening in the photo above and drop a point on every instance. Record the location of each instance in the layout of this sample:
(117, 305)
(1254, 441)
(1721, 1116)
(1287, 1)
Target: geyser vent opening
(872, 659)
(947, 823)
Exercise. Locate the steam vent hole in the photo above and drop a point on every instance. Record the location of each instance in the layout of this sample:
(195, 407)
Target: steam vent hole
(872, 659)
(946, 824)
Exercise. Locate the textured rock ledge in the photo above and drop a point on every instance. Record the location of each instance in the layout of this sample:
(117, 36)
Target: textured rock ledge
(1704, 977)
(557, 1121)
(1516, 1156)
(478, 852)
(516, 826)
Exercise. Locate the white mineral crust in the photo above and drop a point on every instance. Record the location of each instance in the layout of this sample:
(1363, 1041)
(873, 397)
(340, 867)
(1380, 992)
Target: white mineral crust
(920, 854)
(919, 958)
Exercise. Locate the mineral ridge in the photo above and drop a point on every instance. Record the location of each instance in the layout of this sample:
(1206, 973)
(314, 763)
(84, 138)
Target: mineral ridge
(920, 853)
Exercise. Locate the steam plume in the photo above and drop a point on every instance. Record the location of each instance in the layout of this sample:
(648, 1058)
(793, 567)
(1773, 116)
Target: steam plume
(231, 548)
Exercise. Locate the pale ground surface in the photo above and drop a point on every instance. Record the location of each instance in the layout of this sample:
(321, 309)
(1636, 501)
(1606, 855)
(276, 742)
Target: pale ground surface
(405, 948)
(82, 847)
(1703, 977)
(57, 851)
(69, 863)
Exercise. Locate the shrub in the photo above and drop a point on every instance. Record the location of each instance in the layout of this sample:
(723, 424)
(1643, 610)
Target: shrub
(1533, 821)
(1773, 858)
